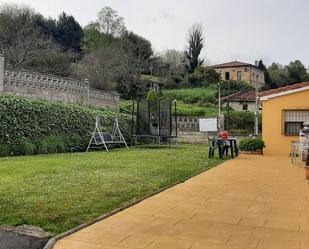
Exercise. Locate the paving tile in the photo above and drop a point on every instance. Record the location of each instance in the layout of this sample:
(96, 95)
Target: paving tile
(277, 244)
(170, 243)
(282, 223)
(206, 245)
(157, 229)
(107, 238)
(264, 232)
(231, 229)
(138, 240)
(255, 222)
(133, 218)
(169, 221)
(69, 244)
(243, 241)
(217, 218)
(304, 245)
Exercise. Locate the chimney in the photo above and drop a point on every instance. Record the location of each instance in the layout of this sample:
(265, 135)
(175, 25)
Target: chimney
(256, 63)
(1, 72)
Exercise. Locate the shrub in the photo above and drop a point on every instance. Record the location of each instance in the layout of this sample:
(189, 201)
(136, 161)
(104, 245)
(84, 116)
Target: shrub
(24, 121)
(251, 144)
(25, 147)
(240, 122)
(231, 86)
(73, 142)
(41, 147)
(4, 150)
(55, 144)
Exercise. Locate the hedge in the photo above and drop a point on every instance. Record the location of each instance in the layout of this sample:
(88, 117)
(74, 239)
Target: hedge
(29, 126)
(240, 122)
(251, 144)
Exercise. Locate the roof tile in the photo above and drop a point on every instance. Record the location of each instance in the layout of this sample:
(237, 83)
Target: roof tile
(241, 96)
(283, 89)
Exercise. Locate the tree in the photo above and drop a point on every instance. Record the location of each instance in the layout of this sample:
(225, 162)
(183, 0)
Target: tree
(47, 27)
(118, 65)
(297, 72)
(268, 82)
(207, 75)
(54, 62)
(141, 48)
(279, 75)
(93, 39)
(69, 33)
(20, 39)
(173, 58)
(110, 22)
(194, 48)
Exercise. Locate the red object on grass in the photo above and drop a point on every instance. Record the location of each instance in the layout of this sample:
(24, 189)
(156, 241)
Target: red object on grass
(224, 135)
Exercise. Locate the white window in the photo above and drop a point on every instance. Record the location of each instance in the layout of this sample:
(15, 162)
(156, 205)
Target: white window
(293, 121)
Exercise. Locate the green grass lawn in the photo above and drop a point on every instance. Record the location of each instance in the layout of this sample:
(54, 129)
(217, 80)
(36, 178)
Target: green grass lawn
(193, 95)
(58, 192)
(195, 110)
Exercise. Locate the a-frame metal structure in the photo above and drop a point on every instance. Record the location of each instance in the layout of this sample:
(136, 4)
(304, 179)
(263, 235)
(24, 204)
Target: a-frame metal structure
(100, 138)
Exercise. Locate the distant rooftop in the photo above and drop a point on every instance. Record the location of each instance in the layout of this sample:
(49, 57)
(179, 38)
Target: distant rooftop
(233, 64)
(304, 86)
(241, 96)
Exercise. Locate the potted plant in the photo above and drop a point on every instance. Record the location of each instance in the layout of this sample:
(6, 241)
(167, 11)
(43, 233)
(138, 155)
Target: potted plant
(252, 146)
(307, 168)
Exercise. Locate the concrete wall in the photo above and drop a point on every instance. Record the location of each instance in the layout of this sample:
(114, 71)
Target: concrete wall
(249, 74)
(273, 121)
(200, 137)
(54, 88)
(195, 137)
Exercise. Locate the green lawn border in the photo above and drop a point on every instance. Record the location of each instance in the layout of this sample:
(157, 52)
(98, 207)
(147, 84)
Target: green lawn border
(50, 244)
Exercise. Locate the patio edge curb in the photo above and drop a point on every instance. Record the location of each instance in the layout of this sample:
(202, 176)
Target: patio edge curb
(50, 244)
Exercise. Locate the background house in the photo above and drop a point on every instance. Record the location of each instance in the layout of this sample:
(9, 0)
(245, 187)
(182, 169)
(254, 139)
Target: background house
(285, 110)
(240, 101)
(237, 70)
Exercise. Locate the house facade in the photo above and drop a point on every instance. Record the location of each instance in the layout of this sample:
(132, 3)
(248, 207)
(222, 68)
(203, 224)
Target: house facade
(237, 70)
(241, 101)
(284, 111)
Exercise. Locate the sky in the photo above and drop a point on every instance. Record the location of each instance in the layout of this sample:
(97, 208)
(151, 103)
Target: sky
(243, 30)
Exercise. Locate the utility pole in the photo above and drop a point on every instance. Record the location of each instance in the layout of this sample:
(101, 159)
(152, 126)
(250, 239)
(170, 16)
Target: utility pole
(257, 107)
(219, 104)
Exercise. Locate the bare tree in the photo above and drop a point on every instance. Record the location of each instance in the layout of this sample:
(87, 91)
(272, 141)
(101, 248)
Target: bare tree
(20, 41)
(173, 57)
(110, 22)
(194, 48)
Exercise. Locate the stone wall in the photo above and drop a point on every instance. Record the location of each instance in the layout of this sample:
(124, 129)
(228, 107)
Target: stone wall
(54, 88)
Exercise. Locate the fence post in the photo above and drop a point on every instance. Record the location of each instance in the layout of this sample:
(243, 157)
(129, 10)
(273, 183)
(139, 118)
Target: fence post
(1, 72)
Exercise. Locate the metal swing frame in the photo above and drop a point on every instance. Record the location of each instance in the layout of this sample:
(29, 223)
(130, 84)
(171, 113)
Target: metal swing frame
(100, 138)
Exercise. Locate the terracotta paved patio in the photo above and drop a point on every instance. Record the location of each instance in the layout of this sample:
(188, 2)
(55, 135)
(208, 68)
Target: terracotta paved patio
(250, 202)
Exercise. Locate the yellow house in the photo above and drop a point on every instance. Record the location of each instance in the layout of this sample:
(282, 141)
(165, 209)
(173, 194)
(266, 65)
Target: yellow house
(284, 111)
